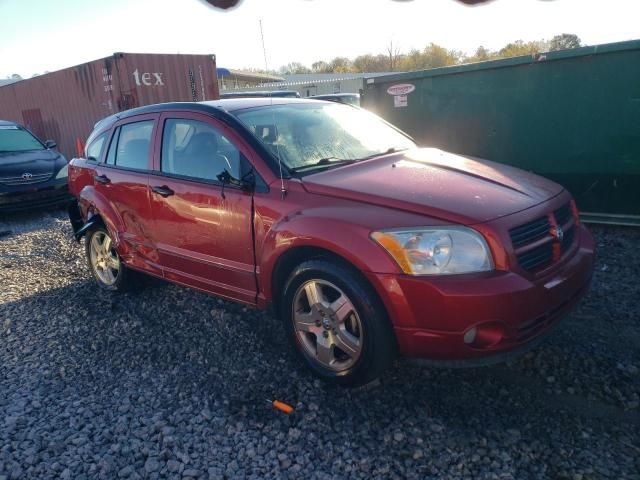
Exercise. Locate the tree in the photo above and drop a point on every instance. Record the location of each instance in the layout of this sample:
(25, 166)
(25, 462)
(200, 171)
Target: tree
(436, 56)
(564, 41)
(482, 54)
(519, 47)
(341, 65)
(293, 68)
(432, 56)
(15, 76)
(394, 54)
(321, 67)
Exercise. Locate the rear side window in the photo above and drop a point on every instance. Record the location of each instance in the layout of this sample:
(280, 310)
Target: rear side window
(195, 149)
(133, 143)
(94, 151)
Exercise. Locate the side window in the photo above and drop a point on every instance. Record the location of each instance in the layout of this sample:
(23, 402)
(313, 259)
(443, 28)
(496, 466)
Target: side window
(113, 148)
(134, 140)
(95, 149)
(197, 150)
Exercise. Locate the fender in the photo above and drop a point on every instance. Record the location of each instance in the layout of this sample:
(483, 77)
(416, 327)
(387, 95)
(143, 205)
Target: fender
(86, 227)
(92, 204)
(325, 229)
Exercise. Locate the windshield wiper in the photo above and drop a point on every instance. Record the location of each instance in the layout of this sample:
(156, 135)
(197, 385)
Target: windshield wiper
(324, 162)
(332, 161)
(386, 152)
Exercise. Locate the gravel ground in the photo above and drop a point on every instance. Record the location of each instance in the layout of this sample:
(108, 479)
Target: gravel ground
(170, 383)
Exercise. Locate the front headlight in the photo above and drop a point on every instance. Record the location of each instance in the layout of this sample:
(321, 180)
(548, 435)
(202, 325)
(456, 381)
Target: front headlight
(436, 251)
(63, 172)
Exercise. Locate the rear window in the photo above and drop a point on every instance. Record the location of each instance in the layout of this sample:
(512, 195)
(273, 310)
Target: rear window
(16, 139)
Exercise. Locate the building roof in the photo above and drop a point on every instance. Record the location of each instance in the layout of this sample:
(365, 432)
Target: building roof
(247, 76)
(8, 81)
(319, 77)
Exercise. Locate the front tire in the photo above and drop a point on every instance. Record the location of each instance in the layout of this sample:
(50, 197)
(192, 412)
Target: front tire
(104, 261)
(336, 322)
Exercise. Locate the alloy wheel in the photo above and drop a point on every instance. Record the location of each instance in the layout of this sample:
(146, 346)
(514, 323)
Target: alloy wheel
(327, 325)
(104, 258)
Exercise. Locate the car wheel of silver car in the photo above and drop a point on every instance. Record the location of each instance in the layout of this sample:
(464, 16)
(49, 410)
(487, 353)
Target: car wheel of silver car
(104, 261)
(337, 323)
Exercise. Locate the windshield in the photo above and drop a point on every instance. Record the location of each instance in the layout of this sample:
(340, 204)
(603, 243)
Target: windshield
(303, 135)
(16, 139)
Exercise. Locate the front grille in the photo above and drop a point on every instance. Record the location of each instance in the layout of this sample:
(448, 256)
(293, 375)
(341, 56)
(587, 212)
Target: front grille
(563, 214)
(534, 241)
(530, 232)
(537, 257)
(35, 178)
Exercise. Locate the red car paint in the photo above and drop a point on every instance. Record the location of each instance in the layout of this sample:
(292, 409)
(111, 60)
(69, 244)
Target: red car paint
(232, 246)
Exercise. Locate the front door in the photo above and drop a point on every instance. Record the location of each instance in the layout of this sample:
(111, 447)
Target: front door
(202, 232)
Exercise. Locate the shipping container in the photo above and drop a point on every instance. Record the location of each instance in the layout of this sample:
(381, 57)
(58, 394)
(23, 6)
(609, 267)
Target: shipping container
(572, 116)
(64, 105)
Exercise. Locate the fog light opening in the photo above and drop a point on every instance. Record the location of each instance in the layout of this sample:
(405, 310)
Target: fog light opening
(470, 335)
(484, 336)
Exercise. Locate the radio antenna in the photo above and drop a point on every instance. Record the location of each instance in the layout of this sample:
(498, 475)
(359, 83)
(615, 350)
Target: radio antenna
(283, 191)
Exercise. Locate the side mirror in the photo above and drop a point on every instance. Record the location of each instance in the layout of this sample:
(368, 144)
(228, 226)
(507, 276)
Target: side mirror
(50, 144)
(225, 178)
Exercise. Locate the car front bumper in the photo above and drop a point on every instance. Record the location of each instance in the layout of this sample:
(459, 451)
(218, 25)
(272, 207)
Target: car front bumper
(48, 194)
(509, 312)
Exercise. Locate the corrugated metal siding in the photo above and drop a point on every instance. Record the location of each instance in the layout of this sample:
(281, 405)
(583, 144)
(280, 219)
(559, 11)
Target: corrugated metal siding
(64, 105)
(309, 88)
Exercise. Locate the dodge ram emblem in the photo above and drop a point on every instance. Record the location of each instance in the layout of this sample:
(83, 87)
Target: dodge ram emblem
(559, 233)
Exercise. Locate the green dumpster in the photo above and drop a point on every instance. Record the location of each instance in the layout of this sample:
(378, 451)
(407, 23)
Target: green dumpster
(572, 116)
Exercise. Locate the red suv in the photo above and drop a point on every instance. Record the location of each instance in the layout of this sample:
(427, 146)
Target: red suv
(363, 244)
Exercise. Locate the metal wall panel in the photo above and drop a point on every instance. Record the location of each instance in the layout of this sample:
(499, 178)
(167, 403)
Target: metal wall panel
(310, 88)
(65, 105)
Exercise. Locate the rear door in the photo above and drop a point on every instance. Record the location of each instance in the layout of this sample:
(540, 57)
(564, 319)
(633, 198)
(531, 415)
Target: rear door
(123, 177)
(202, 232)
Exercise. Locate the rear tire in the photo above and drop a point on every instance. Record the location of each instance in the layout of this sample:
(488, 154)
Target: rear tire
(336, 323)
(104, 261)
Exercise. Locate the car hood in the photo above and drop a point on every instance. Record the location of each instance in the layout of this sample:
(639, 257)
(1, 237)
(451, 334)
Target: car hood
(14, 164)
(438, 184)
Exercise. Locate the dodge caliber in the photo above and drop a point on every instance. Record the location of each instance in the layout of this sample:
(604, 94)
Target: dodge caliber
(364, 245)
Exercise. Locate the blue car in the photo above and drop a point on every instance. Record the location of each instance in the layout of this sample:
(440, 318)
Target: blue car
(32, 174)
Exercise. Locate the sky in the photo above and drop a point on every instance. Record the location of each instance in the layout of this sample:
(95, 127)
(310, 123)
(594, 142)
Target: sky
(47, 35)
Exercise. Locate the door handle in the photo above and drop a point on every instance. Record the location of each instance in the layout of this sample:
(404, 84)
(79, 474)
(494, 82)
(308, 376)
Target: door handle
(163, 191)
(102, 179)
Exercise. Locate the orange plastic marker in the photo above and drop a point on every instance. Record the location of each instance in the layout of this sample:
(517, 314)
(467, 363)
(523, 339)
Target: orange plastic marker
(283, 407)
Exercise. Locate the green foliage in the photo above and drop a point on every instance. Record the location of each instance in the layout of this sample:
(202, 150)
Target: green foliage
(564, 41)
(293, 68)
(431, 56)
(518, 48)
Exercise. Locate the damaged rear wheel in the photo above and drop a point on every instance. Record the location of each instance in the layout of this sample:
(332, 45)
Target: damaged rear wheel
(105, 263)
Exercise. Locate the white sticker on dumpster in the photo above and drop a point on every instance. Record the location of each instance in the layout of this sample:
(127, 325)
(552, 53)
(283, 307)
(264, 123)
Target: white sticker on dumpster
(401, 89)
(400, 101)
